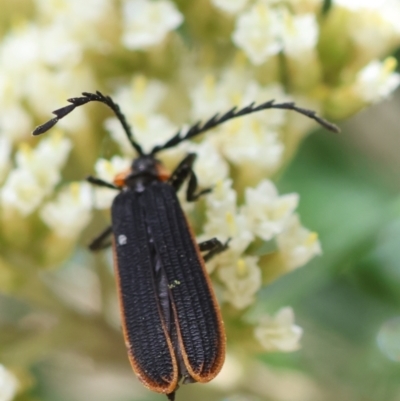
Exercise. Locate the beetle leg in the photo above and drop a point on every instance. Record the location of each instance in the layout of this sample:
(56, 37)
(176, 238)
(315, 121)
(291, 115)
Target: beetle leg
(191, 189)
(183, 171)
(214, 246)
(99, 243)
(101, 183)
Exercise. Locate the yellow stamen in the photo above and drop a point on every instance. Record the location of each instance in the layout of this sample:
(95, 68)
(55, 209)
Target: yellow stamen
(389, 65)
(25, 149)
(241, 268)
(141, 122)
(56, 137)
(230, 219)
(139, 86)
(281, 210)
(311, 239)
(75, 190)
(262, 12)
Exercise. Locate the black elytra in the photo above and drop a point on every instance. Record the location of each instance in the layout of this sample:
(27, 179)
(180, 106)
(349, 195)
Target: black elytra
(171, 320)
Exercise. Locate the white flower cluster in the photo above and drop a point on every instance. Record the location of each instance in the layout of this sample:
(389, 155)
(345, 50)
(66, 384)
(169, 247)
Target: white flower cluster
(264, 215)
(266, 28)
(264, 31)
(34, 178)
(36, 174)
(146, 23)
(253, 142)
(69, 214)
(140, 100)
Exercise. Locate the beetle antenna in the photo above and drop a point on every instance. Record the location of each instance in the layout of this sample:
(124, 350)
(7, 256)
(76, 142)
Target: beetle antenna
(214, 121)
(80, 101)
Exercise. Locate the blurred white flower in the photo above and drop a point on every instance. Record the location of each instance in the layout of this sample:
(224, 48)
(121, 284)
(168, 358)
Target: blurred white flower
(223, 221)
(45, 91)
(71, 211)
(296, 244)
(146, 22)
(15, 122)
(266, 211)
(107, 170)
(279, 333)
(257, 33)
(5, 152)
(230, 6)
(374, 25)
(377, 80)
(53, 150)
(263, 32)
(22, 191)
(149, 130)
(299, 33)
(210, 167)
(139, 103)
(242, 280)
(247, 141)
(58, 47)
(208, 98)
(37, 173)
(8, 384)
(20, 50)
(141, 96)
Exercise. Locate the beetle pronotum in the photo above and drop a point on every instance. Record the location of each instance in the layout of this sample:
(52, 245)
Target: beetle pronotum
(171, 320)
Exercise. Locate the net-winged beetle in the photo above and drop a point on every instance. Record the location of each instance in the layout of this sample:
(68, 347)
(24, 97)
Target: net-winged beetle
(171, 320)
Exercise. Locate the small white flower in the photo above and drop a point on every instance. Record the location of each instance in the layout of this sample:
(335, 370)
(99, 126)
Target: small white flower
(141, 96)
(146, 23)
(373, 26)
(42, 162)
(377, 80)
(71, 211)
(208, 98)
(53, 150)
(242, 281)
(58, 47)
(220, 203)
(107, 170)
(296, 244)
(22, 191)
(209, 167)
(300, 33)
(15, 122)
(279, 333)
(257, 33)
(139, 103)
(266, 211)
(8, 384)
(44, 91)
(223, 222)
(230, 6)
(74, 11)
(247, 141)
(149, 130)
(20, 50)
(5, 151)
